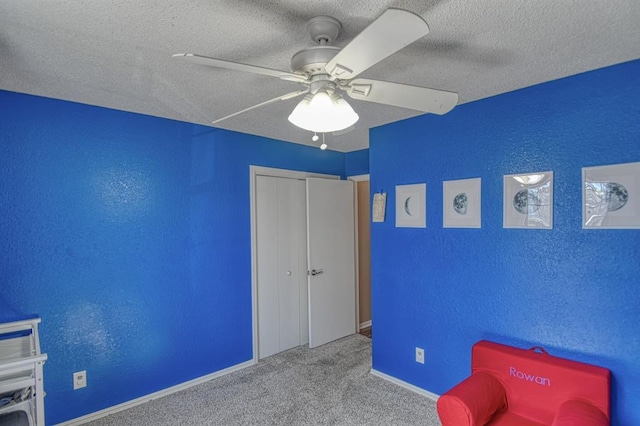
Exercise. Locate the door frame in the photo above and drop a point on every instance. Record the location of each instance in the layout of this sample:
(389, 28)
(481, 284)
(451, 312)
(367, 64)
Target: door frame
(356, 179)
(255, 171)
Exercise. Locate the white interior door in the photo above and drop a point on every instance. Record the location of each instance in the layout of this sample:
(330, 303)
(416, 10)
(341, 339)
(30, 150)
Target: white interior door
(291, 239)
(281, 264)
(268, 276)
(331, 254)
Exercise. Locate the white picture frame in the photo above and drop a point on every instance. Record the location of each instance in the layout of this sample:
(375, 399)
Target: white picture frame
(461, 203)
(528, 201)
(411, 206)
(611, 196)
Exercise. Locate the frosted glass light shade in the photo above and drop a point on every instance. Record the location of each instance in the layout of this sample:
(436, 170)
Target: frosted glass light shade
(323, 113)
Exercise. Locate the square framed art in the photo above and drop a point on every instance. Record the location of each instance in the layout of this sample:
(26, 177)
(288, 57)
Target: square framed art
(528, 201)
(411, 206)
(461, 203)
(611, 196)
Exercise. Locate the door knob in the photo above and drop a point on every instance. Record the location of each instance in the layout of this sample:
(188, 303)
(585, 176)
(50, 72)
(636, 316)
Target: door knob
(315, 272)
(288, 272)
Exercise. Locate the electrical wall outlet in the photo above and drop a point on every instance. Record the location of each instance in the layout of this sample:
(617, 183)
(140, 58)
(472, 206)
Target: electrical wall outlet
(80, 379)
(420, 355)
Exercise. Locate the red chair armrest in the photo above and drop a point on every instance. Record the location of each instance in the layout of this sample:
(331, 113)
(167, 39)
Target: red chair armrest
(473, 401)
(579, 413)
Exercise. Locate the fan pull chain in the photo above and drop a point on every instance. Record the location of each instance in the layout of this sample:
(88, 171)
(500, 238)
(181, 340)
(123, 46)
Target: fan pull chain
(324, 145)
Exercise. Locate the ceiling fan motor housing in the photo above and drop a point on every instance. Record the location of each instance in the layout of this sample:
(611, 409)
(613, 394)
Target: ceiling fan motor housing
(312, 60)
(323, 30)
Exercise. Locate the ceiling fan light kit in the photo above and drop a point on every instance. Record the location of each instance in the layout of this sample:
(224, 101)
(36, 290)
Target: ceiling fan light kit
(324, 70)
(323, 113)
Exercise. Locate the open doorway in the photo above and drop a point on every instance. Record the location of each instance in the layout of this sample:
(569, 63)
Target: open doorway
(363, 247)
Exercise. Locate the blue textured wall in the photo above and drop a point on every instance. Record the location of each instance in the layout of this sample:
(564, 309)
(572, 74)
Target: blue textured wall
(130, 236)
(576, 292)
(356, 163)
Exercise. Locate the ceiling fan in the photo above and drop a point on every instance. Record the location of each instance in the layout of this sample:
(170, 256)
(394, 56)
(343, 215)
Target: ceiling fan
(325, 71)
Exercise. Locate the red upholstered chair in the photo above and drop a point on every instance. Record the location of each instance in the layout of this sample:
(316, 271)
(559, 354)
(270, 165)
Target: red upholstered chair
(516, 387)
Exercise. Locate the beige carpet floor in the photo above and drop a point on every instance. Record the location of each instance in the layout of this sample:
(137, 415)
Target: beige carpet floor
(329, 385)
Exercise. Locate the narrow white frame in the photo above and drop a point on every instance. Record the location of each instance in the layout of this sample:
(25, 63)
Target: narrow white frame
(462, 203)
(611, 196)
(519, 190)
(411, 206)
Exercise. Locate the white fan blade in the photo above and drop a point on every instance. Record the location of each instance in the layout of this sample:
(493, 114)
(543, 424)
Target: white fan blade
(403, 95)
(270, 101)
(392, 31)
(221, 63)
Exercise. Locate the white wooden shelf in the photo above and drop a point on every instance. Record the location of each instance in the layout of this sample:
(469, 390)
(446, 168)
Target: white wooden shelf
(21, 369)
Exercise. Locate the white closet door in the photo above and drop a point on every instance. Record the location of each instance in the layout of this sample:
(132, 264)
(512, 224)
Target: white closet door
(267, 248)
(281, 254)
(290, 200)
(331, 253)
(300, 223)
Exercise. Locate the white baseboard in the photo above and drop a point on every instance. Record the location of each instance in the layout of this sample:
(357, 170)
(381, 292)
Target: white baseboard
(405, 385)
(365, 324)
(168, 391)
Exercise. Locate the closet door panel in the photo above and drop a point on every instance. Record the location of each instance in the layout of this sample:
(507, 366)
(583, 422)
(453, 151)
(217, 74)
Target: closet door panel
(267, 251)
(302, 281)
(289, 290)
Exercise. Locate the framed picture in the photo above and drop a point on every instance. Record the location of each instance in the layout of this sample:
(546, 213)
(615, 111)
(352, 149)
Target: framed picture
(411, 206)
(379, 206)
(611, 197)
(528, 201)
(461, 206)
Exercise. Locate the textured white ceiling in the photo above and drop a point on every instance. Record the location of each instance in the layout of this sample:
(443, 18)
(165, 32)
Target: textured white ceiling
(117, 53)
